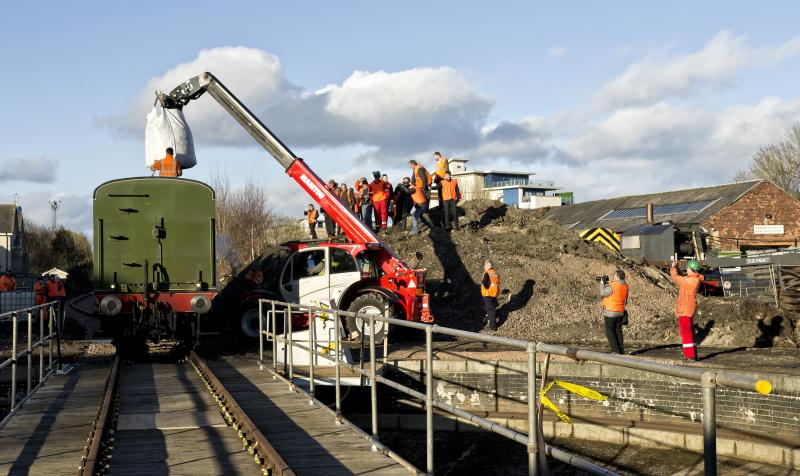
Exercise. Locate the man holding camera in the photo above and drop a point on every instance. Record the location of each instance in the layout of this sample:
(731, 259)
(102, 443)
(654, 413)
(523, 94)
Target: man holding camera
(615, 297)
(686, 304)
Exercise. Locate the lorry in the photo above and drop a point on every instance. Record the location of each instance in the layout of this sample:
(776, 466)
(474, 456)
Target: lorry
(360, 274)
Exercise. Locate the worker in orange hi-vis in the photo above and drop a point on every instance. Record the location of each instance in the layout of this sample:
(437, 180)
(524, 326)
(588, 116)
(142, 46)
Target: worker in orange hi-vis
(168, 166)
(40, 291)
(380, 200)
(7, 281)
(490, 290)
(686, 305)
(440, 168)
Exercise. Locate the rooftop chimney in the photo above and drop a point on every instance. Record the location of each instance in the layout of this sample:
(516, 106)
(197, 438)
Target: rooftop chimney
(649, 213)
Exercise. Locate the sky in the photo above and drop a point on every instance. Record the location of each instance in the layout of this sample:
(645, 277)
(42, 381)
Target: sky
(604, 98)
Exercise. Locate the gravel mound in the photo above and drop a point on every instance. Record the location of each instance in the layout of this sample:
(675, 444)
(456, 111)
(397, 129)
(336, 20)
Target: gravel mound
(547, 280)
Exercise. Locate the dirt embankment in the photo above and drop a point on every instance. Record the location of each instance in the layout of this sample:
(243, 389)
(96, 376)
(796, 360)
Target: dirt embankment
(548, 287)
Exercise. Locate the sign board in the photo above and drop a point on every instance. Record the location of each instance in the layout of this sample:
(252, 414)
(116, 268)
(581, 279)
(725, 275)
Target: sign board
(767, 229)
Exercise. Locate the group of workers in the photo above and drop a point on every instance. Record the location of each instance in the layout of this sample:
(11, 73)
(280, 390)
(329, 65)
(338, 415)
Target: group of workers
(45, 289)
(374, 202)
(615, 298)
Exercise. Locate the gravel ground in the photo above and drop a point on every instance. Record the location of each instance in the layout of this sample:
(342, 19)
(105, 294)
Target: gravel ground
(548, 287)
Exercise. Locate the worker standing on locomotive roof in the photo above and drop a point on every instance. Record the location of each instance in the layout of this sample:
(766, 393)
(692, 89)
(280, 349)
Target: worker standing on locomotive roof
(686, 304)
(441, 167)
(490, 289)
(421, 181)
(615, 298)
(380, 200)
(168, 166)
(311, 218)
(7, 281)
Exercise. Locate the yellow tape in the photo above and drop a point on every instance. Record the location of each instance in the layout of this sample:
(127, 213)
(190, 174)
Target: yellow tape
(580, 390)
(547, 403)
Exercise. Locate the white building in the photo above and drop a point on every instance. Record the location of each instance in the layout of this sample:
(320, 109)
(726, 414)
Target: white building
(513, 188)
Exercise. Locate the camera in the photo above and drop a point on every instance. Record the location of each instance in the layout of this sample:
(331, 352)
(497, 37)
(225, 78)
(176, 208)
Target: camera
(602, 279)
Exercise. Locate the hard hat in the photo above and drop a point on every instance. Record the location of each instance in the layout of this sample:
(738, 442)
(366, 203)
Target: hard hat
(693, 264)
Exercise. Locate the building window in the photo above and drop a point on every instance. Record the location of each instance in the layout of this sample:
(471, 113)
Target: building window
(630, 242)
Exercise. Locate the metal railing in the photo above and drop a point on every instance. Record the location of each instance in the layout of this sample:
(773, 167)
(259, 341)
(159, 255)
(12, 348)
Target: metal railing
(536, 447)
(43, 312)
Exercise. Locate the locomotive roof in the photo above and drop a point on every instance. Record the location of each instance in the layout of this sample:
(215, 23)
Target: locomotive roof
(213, 192)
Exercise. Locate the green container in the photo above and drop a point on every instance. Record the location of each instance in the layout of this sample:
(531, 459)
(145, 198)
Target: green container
(154, 231)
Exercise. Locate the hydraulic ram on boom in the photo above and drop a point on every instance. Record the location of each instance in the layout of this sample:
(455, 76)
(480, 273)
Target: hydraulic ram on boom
(403, 285)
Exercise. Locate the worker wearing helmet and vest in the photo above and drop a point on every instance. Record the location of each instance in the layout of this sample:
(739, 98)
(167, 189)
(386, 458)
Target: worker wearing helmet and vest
(615, 298)
(421, 181)
(311, 218)
(449, 195)
(40, 291)
(490, 289)
(7, 281)
(686, 304)
(440, 168)
(168, 166)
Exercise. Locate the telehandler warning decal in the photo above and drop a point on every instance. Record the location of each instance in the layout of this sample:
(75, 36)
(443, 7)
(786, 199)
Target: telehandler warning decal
(602, 235)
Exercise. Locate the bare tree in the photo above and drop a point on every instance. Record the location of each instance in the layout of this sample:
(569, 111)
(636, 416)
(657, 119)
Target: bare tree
(779, 163)
(246, 224)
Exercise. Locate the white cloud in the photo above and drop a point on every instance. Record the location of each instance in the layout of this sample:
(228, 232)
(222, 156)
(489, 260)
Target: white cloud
(36, 170)
(715, 65)
(392, 111)
(556, 51)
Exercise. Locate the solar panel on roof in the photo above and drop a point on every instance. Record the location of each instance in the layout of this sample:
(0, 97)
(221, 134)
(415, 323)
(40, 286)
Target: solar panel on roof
(668, 209)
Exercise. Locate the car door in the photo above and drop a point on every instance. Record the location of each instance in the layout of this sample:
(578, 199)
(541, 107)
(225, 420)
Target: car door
(343, 272)
(306, 278)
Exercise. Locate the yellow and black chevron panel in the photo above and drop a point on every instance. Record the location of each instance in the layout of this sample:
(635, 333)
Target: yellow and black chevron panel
(602, 235)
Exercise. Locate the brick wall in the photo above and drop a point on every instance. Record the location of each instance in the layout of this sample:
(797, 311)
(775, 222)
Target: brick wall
(632, 395)
(737, 219)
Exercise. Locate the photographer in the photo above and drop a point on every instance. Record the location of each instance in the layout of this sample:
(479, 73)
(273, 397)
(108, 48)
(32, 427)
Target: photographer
(615, 297)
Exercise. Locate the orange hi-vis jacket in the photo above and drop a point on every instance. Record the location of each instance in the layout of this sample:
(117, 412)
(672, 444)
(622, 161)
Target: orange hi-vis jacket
(686, 304)
(55, 288)
(358, 189)
(167, 167)
(7, 283)
(312, 216)
(419, 196)
(40, 292)
(441, 167)
(377, 188)
(448, 190)
(618, 298)
(494, 284)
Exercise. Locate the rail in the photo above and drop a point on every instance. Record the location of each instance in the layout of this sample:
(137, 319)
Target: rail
(536, 447)
(41, 312)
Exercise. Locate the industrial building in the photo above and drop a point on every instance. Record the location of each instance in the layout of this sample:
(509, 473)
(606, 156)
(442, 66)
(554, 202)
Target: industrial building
(513, 188)
(726, 219)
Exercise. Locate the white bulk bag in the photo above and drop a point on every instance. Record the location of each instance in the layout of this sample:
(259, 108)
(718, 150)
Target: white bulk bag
(168, 128)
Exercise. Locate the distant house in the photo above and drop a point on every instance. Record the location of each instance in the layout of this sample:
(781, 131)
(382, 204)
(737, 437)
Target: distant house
(12, 232)
(513, 188)
(61, 274)
(737, 217)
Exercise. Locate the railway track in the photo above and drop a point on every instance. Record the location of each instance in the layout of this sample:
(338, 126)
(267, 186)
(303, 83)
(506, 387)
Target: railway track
(163, 417)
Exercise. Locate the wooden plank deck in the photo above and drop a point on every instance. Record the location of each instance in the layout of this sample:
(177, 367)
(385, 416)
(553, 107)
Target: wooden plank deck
(48, 434)
(306, 436)
(168, 424)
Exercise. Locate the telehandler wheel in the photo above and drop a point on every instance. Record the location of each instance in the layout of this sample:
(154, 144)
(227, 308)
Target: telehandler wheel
(365, 305)
(248, 320)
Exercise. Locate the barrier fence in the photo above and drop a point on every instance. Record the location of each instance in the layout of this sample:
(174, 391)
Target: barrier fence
(536, 447)
(43, 312)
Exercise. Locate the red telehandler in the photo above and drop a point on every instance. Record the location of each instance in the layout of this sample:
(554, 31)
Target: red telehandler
(361, 275)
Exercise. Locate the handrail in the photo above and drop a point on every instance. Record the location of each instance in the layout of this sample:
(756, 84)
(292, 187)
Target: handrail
(30, 315)
(709, 379)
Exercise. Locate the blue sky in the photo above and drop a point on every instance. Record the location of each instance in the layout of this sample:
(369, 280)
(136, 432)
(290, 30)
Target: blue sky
(604, 98)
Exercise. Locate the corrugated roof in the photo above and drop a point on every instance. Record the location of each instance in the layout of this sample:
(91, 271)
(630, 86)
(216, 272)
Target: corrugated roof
(582, 216)
(7, 213)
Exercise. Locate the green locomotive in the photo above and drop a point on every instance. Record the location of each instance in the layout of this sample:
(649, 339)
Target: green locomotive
(154, 268)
